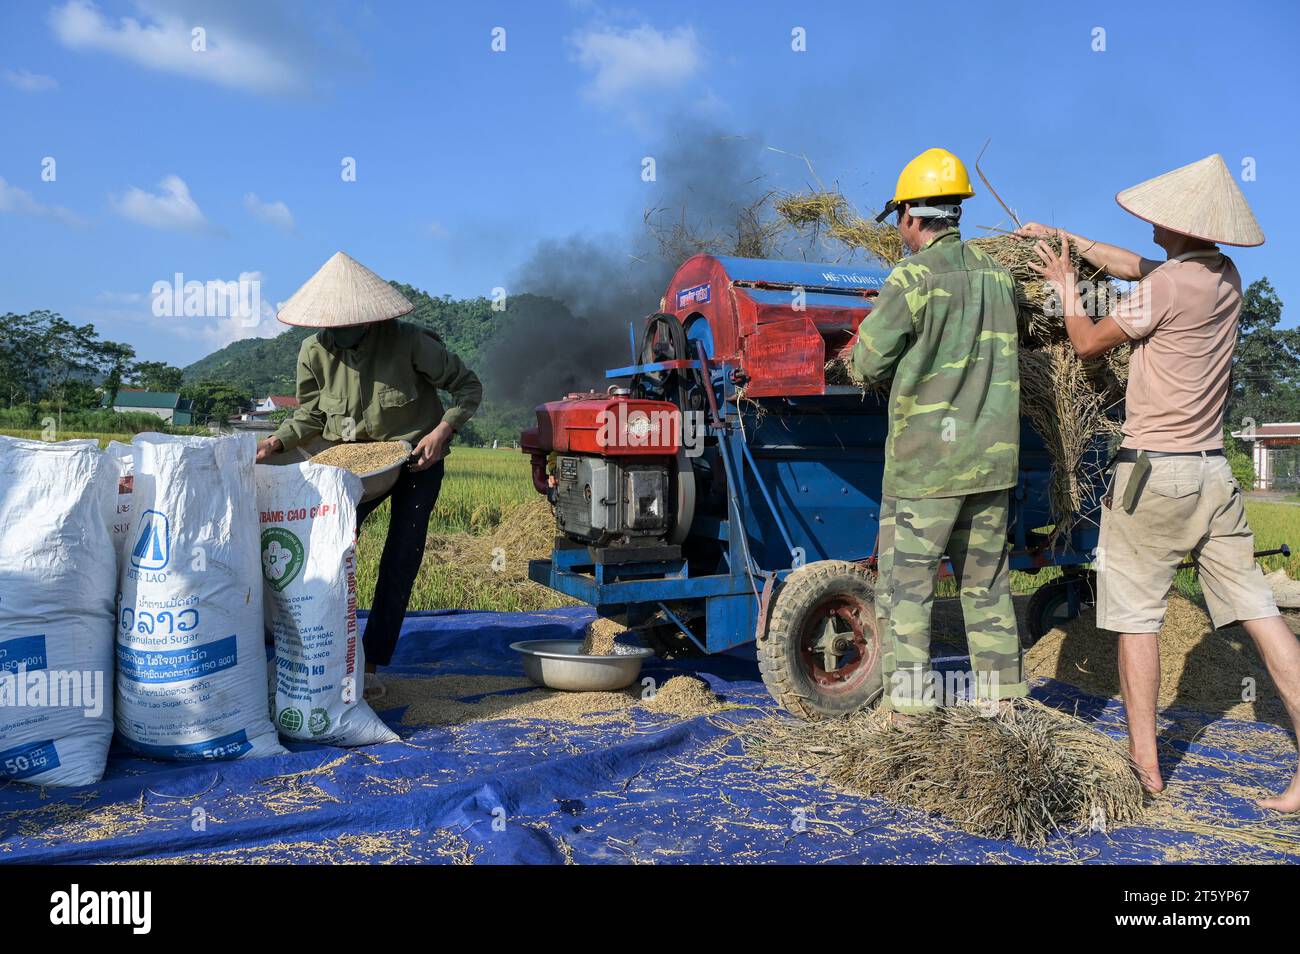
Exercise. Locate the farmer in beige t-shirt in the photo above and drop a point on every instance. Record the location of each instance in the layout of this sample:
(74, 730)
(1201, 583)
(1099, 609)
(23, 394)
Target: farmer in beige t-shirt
(1172, 492)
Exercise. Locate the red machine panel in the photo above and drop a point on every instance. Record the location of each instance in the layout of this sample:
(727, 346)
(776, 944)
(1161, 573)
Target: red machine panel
(776, 322)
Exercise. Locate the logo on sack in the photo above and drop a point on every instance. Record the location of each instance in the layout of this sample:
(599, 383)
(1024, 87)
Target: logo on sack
(291, 719)
(153, 549)
(318, 723)
(282, 557)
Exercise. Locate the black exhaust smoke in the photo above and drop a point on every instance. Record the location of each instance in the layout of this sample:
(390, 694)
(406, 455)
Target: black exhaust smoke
(571, 302)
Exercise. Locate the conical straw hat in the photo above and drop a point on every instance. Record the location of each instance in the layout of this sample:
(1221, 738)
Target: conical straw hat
(1201, 200)
(344, 292)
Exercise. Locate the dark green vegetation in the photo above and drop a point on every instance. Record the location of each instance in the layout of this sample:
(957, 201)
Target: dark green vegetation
(52, 368)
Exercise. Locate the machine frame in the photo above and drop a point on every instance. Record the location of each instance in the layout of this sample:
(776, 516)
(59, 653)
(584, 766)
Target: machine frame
(801, 462)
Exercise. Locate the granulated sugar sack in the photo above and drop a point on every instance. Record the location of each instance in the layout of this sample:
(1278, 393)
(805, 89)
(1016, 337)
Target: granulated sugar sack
(191, 659)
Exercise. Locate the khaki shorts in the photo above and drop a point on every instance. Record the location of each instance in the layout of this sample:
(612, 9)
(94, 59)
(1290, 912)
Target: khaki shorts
(1190, 505)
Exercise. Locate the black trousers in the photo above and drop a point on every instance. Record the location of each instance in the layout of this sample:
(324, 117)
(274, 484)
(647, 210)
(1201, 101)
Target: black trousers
(413, 497)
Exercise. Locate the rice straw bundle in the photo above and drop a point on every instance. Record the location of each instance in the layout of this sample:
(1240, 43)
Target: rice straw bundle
(1039, 307)
(1027, 773)
(1069, 402)
(829, 213)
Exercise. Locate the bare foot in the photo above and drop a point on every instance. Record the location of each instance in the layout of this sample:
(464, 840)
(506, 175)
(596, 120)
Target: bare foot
(1149, 774)
(1288, 801)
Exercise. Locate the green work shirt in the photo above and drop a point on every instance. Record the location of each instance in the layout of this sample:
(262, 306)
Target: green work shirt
(386, 387)
(944, 328)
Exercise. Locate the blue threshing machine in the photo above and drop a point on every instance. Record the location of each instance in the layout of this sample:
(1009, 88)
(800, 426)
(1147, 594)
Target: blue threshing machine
(723, 491)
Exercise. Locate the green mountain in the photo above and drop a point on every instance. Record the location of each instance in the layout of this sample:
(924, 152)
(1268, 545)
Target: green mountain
(266, 365)
(259, 366)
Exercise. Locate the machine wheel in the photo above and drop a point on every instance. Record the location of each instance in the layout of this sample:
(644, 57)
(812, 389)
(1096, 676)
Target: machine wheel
(1049, 606)
(821, 654)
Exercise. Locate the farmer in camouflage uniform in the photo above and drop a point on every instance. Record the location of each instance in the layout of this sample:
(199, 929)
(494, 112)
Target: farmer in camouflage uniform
(944, 329)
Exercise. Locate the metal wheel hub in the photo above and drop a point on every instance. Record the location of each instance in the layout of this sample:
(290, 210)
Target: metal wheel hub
(838, 646)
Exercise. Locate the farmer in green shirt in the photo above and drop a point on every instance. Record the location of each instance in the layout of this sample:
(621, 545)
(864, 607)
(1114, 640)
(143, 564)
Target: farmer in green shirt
(944, 330)
(366, 376)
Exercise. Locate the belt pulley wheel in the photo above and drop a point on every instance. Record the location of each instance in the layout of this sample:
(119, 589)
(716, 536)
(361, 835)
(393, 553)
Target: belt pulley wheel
(663, 339)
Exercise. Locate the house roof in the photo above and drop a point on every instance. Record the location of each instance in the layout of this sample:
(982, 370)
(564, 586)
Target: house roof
(1287, 429)
(282, 400)
(127, 397)
(1291, 429)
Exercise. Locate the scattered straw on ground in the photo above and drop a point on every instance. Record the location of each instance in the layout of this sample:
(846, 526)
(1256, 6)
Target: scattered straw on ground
(456, 700)
(77, 821)
(1028, 773)
(382, 847)
(363, 457)
(1218, 672)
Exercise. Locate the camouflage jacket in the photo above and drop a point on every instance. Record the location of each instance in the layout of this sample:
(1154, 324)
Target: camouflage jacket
(944, 328)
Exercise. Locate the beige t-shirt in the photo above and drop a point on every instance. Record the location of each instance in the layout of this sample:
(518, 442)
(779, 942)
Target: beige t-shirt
(1183, 321)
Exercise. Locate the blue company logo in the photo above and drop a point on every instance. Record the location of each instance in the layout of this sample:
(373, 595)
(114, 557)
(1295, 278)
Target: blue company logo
(153, 550)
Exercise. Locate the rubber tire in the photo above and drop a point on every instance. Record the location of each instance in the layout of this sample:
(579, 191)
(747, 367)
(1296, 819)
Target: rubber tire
(1046, 599)
(778, 649)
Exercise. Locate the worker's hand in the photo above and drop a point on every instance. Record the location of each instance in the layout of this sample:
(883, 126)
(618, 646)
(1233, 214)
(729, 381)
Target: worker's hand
(1056, 268)
(432, 447)
(272, 445)
(1036, 230)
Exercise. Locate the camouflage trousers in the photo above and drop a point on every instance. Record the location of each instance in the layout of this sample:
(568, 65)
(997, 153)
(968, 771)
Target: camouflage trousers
(914, 535)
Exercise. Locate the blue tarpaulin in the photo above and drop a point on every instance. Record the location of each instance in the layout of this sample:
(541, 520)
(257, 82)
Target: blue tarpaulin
(641, 788)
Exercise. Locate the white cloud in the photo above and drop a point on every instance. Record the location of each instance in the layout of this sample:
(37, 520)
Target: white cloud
(30, 82)
(219, 332)
(272, 213)
(162, 39)
(635, 61)
(438, 230)
(173, 208)
(20, 202)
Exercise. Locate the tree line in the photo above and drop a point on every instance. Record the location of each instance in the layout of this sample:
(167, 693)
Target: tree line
(50, 366)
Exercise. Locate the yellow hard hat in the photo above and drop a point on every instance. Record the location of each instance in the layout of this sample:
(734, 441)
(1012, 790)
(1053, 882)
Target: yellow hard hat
(935, 172)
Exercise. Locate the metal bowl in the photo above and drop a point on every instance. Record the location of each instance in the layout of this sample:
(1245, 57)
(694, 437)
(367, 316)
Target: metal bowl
(560, 664)
(374, 484)
(379, 482)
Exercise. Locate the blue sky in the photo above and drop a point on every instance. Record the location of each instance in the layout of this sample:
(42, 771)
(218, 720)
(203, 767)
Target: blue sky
(227, 161)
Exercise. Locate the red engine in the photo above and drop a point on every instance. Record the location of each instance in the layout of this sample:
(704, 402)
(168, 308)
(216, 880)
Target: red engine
(608, 464)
